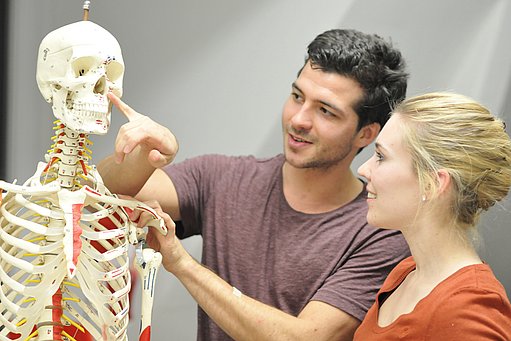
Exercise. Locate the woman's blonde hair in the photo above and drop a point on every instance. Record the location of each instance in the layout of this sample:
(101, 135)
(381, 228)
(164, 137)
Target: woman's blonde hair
(455, 133)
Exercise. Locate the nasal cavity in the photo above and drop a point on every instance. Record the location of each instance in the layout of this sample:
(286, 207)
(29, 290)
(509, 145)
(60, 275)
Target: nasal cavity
(100, 87)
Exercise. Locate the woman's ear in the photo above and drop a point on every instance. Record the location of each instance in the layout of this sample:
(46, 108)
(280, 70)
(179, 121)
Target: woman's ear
(367, 134)
(444, 181)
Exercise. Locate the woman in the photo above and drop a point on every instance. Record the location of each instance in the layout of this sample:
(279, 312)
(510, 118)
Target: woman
(440, 161)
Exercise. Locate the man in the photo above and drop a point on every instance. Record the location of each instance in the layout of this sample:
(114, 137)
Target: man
(287, 251)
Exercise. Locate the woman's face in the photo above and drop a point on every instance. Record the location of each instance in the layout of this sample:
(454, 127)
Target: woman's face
(393, 188)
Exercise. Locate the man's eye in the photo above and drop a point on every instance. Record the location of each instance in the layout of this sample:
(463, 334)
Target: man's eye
(326, 111)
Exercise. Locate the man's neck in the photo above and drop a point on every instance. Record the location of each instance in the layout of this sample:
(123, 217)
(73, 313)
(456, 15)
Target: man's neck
(319, 190)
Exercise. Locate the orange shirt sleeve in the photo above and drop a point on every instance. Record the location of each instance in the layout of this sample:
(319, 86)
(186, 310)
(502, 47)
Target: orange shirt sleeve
(471, 314)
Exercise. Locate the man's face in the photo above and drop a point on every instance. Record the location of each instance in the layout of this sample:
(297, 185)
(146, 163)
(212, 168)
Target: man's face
(318, 120)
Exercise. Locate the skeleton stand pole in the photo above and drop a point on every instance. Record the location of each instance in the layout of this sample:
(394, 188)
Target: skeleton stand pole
(86, 4)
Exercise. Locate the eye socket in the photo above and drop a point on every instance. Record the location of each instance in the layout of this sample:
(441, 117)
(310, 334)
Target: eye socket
(114, 70)
(81, 66)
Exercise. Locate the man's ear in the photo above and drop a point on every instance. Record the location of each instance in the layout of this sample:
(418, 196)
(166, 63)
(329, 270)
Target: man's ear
(367, 134)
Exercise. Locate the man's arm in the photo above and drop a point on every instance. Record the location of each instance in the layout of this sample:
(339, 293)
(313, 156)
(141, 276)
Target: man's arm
(240, 316)
(141, 147)
(244, 318)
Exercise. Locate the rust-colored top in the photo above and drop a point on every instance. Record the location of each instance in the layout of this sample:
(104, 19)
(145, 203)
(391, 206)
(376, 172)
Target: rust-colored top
(471, 304)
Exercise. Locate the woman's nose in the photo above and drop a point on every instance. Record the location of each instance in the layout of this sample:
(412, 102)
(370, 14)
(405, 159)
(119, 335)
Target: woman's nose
(363, 170)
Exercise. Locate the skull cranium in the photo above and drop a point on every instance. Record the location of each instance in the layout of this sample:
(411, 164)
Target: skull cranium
(77, 65)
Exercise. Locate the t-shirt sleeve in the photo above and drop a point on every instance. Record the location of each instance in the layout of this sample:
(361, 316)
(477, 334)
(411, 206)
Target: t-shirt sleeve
(353, 286)
(194, 180)
(488, 318)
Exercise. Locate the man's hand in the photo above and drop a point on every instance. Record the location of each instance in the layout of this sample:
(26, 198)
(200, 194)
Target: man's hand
(155, 140)
(168, 245)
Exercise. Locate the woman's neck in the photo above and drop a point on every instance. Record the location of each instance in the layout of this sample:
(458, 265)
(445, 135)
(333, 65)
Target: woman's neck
(439, 250)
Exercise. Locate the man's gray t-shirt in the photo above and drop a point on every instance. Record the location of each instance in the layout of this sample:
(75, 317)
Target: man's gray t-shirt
(255, 241)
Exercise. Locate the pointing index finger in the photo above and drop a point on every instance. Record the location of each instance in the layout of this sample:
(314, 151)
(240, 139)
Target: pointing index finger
(123, 107)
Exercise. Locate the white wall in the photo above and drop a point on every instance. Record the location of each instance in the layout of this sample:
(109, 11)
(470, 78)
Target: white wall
(217, 73)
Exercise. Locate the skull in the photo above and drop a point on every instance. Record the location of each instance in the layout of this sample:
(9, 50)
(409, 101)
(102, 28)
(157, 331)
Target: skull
(77, 65)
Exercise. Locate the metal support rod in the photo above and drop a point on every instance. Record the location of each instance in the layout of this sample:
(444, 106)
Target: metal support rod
(86, 5)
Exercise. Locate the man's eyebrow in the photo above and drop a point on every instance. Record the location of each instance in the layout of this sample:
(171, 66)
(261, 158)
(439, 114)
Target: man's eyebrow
(339, 110)
(295, 86)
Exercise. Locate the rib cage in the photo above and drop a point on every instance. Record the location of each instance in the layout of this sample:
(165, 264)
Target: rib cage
(34, 267)
(64, 265)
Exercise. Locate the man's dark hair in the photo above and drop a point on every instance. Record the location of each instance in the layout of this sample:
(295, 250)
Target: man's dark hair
(368, 59)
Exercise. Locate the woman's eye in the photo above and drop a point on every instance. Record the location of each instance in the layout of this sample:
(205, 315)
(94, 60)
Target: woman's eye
(379, 156)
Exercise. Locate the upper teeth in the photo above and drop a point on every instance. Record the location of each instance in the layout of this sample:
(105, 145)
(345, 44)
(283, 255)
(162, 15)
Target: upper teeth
(371, 195)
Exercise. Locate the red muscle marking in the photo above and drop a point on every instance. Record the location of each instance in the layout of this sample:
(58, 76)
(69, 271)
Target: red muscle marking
(13, 336)
(77, 334)
(146, 334)
(147, 210)
(52, 161)
(88, 189)
(57, 315)
(84, 169)
(77, 231)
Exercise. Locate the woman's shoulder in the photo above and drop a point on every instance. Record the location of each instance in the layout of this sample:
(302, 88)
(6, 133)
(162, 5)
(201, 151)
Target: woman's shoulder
(471, 302)
(474, 279)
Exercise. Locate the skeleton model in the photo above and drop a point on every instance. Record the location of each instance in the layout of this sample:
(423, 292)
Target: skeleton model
(64, 264)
